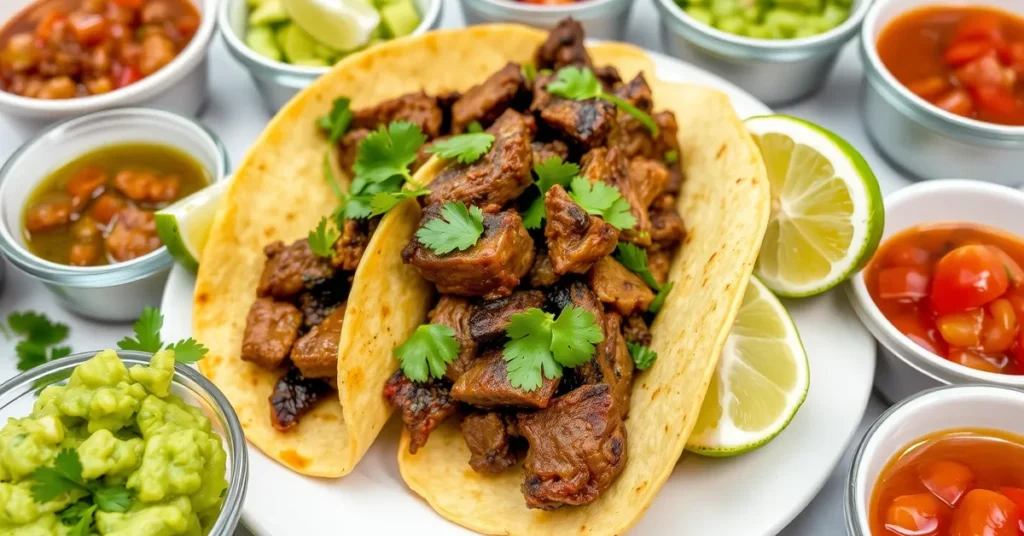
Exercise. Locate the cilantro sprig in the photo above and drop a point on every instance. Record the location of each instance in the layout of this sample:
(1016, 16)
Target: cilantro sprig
(65, 476)
(635, 258)
(336, 123)
(39, 336)
(465, 148)
(381, 169)
(321, 240)
(540, 345)
(580, 83)
(147, 339)
(427, 352)
(643, 357)
(382, 202)
(602, 199)
(459, 227)
(549, 173)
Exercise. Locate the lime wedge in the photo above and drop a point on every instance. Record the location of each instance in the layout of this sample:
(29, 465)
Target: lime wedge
(184, 226)
(760, 383)
(339, 24)
(827, 214)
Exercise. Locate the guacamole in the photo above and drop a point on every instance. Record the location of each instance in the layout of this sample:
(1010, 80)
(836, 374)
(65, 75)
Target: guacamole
(141, 460)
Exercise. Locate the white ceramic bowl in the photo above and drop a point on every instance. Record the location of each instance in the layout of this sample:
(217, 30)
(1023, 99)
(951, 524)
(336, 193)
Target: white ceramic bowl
(936, 410)
(181, 86)
(904, 367)
(601, 19)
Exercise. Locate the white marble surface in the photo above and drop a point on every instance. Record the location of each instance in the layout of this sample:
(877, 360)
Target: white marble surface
(235, 113)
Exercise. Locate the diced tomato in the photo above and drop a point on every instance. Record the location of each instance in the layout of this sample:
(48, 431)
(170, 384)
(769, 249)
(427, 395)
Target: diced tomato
(106, 207)
(1013, 270)
(187, 25)
(916, 514)
(974, 360)
(85, 184)
(985, 71)
(995, 100)
(89, 28)
(981, 26)
(963, 52)
(986, 513)
(947, 480)
(903, 282)
(915, 328)
(46, 25)
(134, 4)
(957, 102)
(1000, 329)
(962, 329)
(930, 88)
(1013, 56)
(967, 277)
(127, 75)
(1016, 495)
(906, 254)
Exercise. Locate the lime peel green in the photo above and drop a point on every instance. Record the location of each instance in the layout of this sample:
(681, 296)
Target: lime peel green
(185, 225)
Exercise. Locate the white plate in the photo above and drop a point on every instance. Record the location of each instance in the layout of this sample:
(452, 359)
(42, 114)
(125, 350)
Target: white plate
(757, 494)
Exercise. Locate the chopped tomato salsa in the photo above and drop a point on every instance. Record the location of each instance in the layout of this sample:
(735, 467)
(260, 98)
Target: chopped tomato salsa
(954, 483)
(956, 289)
(968, 60)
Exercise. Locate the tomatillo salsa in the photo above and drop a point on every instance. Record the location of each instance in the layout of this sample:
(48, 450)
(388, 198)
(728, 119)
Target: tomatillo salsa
(957, 289)
(130, 457)
(954, 483)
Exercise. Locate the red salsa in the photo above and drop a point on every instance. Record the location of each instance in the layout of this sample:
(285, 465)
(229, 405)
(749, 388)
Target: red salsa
(968, 60)
(62, 49)
(954, 483)
(957, 289)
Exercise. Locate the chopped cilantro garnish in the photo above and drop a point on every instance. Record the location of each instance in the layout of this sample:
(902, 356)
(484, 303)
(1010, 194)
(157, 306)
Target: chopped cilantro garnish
(50, 483)
(39, 337)
(465, 148)
(540, 345)
(580, 83)
(671, 157)
(322, 239)
(78, 516)
(385, 201)
(147, 339)
(605, 200)
(474, 127)
(529, 71)
(643, 356)
(428, 352)
(659, 299)
(187, 351)
(387, 152)
(332, 181)
(336, 123)
(458, 227)
(549, 173)
(635, 258)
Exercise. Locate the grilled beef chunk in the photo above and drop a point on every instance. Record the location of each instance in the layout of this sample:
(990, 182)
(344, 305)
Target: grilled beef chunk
(631, 136)
(564, 46)
(316, 353)
(617, 285)
(291, 269)
(456, 313)
(348, 147)
(575, 239)
(612, 364)
(349, 249)
(544, 150)
(270, 330)
(543, 272)
(587, 122)
(577, 448)
(486, 385)
(648, 179)
(320, 301)
(293, 397)
(491, 268)
(418, 108)
(574, 293)
(667, 227)
(609, 165)
(488, 321)
(487, 101)
(668, 142)
(635, 330)
(497, 178)
(659, 261)
(609, 76)
(423, 406)
(489, 442)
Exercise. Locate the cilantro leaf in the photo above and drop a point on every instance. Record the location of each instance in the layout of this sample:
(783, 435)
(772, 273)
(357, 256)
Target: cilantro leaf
(659, 299)
(385, 201)
(37, 327)
(147, 333)
(65, 475)
(533, 217)
(81, 523)
(549, 173)
(322, 239)
(635, 258)
(74, 513)
(474, 127)
(671, 157)
(336, 123)
(187, 351)
(643, 356)
(112, 498)
(605, 200)
(332, 181)
(465, 148)
(428, 352)
(58, 352)
(387, 152)
(573, 336)
(528, 351)
(529, 71)
(580, 83)
(458, 228)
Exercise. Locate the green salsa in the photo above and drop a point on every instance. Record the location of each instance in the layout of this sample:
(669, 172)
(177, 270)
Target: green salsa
(129, 433)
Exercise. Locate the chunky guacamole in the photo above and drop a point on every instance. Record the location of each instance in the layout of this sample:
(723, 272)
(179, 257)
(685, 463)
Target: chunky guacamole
(112, 452)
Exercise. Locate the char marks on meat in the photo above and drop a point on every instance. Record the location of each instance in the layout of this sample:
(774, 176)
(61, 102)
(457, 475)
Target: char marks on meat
(609, 165)
(617, 285)
(292, 269)
(635, 330)
(543, 272)
(320, 301)
(316, 353)
(575, 239)
(486, 385)
(490, 444)
(485, 102)
(667, 228)
(456, 313)
(355, 236)
(489, 319)
(423, 406)
(563, 47)
(545, 150)
(293, 397)
(586, 122)
(417, 108)
(270, 331)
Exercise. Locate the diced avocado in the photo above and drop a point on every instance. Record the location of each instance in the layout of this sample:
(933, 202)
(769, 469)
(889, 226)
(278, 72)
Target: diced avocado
(261, 40)
(724, 8)
(311, 62)
(268, 12)
(299, 45)
(280, 32)
(813, 6)
(734, 25)
(702, 14)
(784, 21)
(401, 17)
(325, 52)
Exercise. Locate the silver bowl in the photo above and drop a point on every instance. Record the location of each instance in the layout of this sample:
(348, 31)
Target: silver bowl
(277, 81)
(116, 292)
(921, 138)
(775, 71)
(601, 19)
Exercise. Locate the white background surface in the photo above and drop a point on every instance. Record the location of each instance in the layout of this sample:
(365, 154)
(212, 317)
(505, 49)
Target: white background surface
(235, 113)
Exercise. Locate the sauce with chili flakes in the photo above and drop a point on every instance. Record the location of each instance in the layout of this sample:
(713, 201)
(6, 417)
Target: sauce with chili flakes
(957, 289)
(968, 60)
(62, 49)
(98, 209)
(953, 483)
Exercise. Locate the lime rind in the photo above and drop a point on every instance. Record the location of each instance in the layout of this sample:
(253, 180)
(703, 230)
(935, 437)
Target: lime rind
(185, 225)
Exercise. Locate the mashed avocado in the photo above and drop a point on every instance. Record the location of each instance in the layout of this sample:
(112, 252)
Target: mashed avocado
(129, 433)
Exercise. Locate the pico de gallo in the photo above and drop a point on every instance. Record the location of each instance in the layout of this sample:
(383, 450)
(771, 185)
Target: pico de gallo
(62, 49)
(954, 483)
(957, 289)
(967, 60)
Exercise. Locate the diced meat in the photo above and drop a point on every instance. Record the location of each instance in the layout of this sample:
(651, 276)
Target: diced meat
(497, 178)
(617, 285)
(133, 235)
(486, 385)
(355, 236)
(577, 448)
(635, 330)
(85, 229)
(156, 12)
(146, 187)
(49, 215)
(632, 137)
(668, 142)
(487, 101)
(488, 321)
(587, 122)
(667, 227)
(417, 108)
(612, 364)
(575, 239)
(543, 272)
(85, 185)
(423, 406)
(609, 76)
(293, 397)
(659, 262)
(270, 330)
(292, 269)
(543, 151)
(157, 51)
(647, 179)
(61, 87)
(609, 165)
(316, 353)
(491, 268)
(455, 313)
(489, 443)
(106, 207)
(348, 147)
(320, 301)
(577, 294)
(564, 46)
(446, 100)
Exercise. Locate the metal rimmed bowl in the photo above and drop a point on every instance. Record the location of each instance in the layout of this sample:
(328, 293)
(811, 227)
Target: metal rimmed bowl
(921, 138)
(775, 71)
(277, 81)
(18, 395)
(601, 19)
(116, 292)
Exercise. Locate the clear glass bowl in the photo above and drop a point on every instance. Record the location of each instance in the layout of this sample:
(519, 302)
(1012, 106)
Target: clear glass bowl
(18, 394)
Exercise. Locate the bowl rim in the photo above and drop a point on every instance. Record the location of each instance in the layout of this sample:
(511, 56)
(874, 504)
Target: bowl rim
(151, 86)
(112, 274)
(894, 340)
(909, 103)
(751, 48)
(575, 8)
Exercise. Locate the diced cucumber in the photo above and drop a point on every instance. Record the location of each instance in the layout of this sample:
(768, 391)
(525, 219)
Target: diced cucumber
(299, 45)
(268, 12)
(261, 40)
(401, 17)
(326, 53)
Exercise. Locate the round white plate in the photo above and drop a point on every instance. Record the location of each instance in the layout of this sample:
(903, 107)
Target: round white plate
(757, 494)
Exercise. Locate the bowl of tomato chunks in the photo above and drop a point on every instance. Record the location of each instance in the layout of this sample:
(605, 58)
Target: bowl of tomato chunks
(946, 462)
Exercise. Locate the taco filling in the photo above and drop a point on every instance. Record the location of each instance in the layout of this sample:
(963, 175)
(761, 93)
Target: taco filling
(548, 235)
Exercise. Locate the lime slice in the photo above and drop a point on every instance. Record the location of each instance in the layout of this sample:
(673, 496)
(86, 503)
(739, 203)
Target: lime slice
(339, 24)
(184, 226)
(760, 383)
(827, 214)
